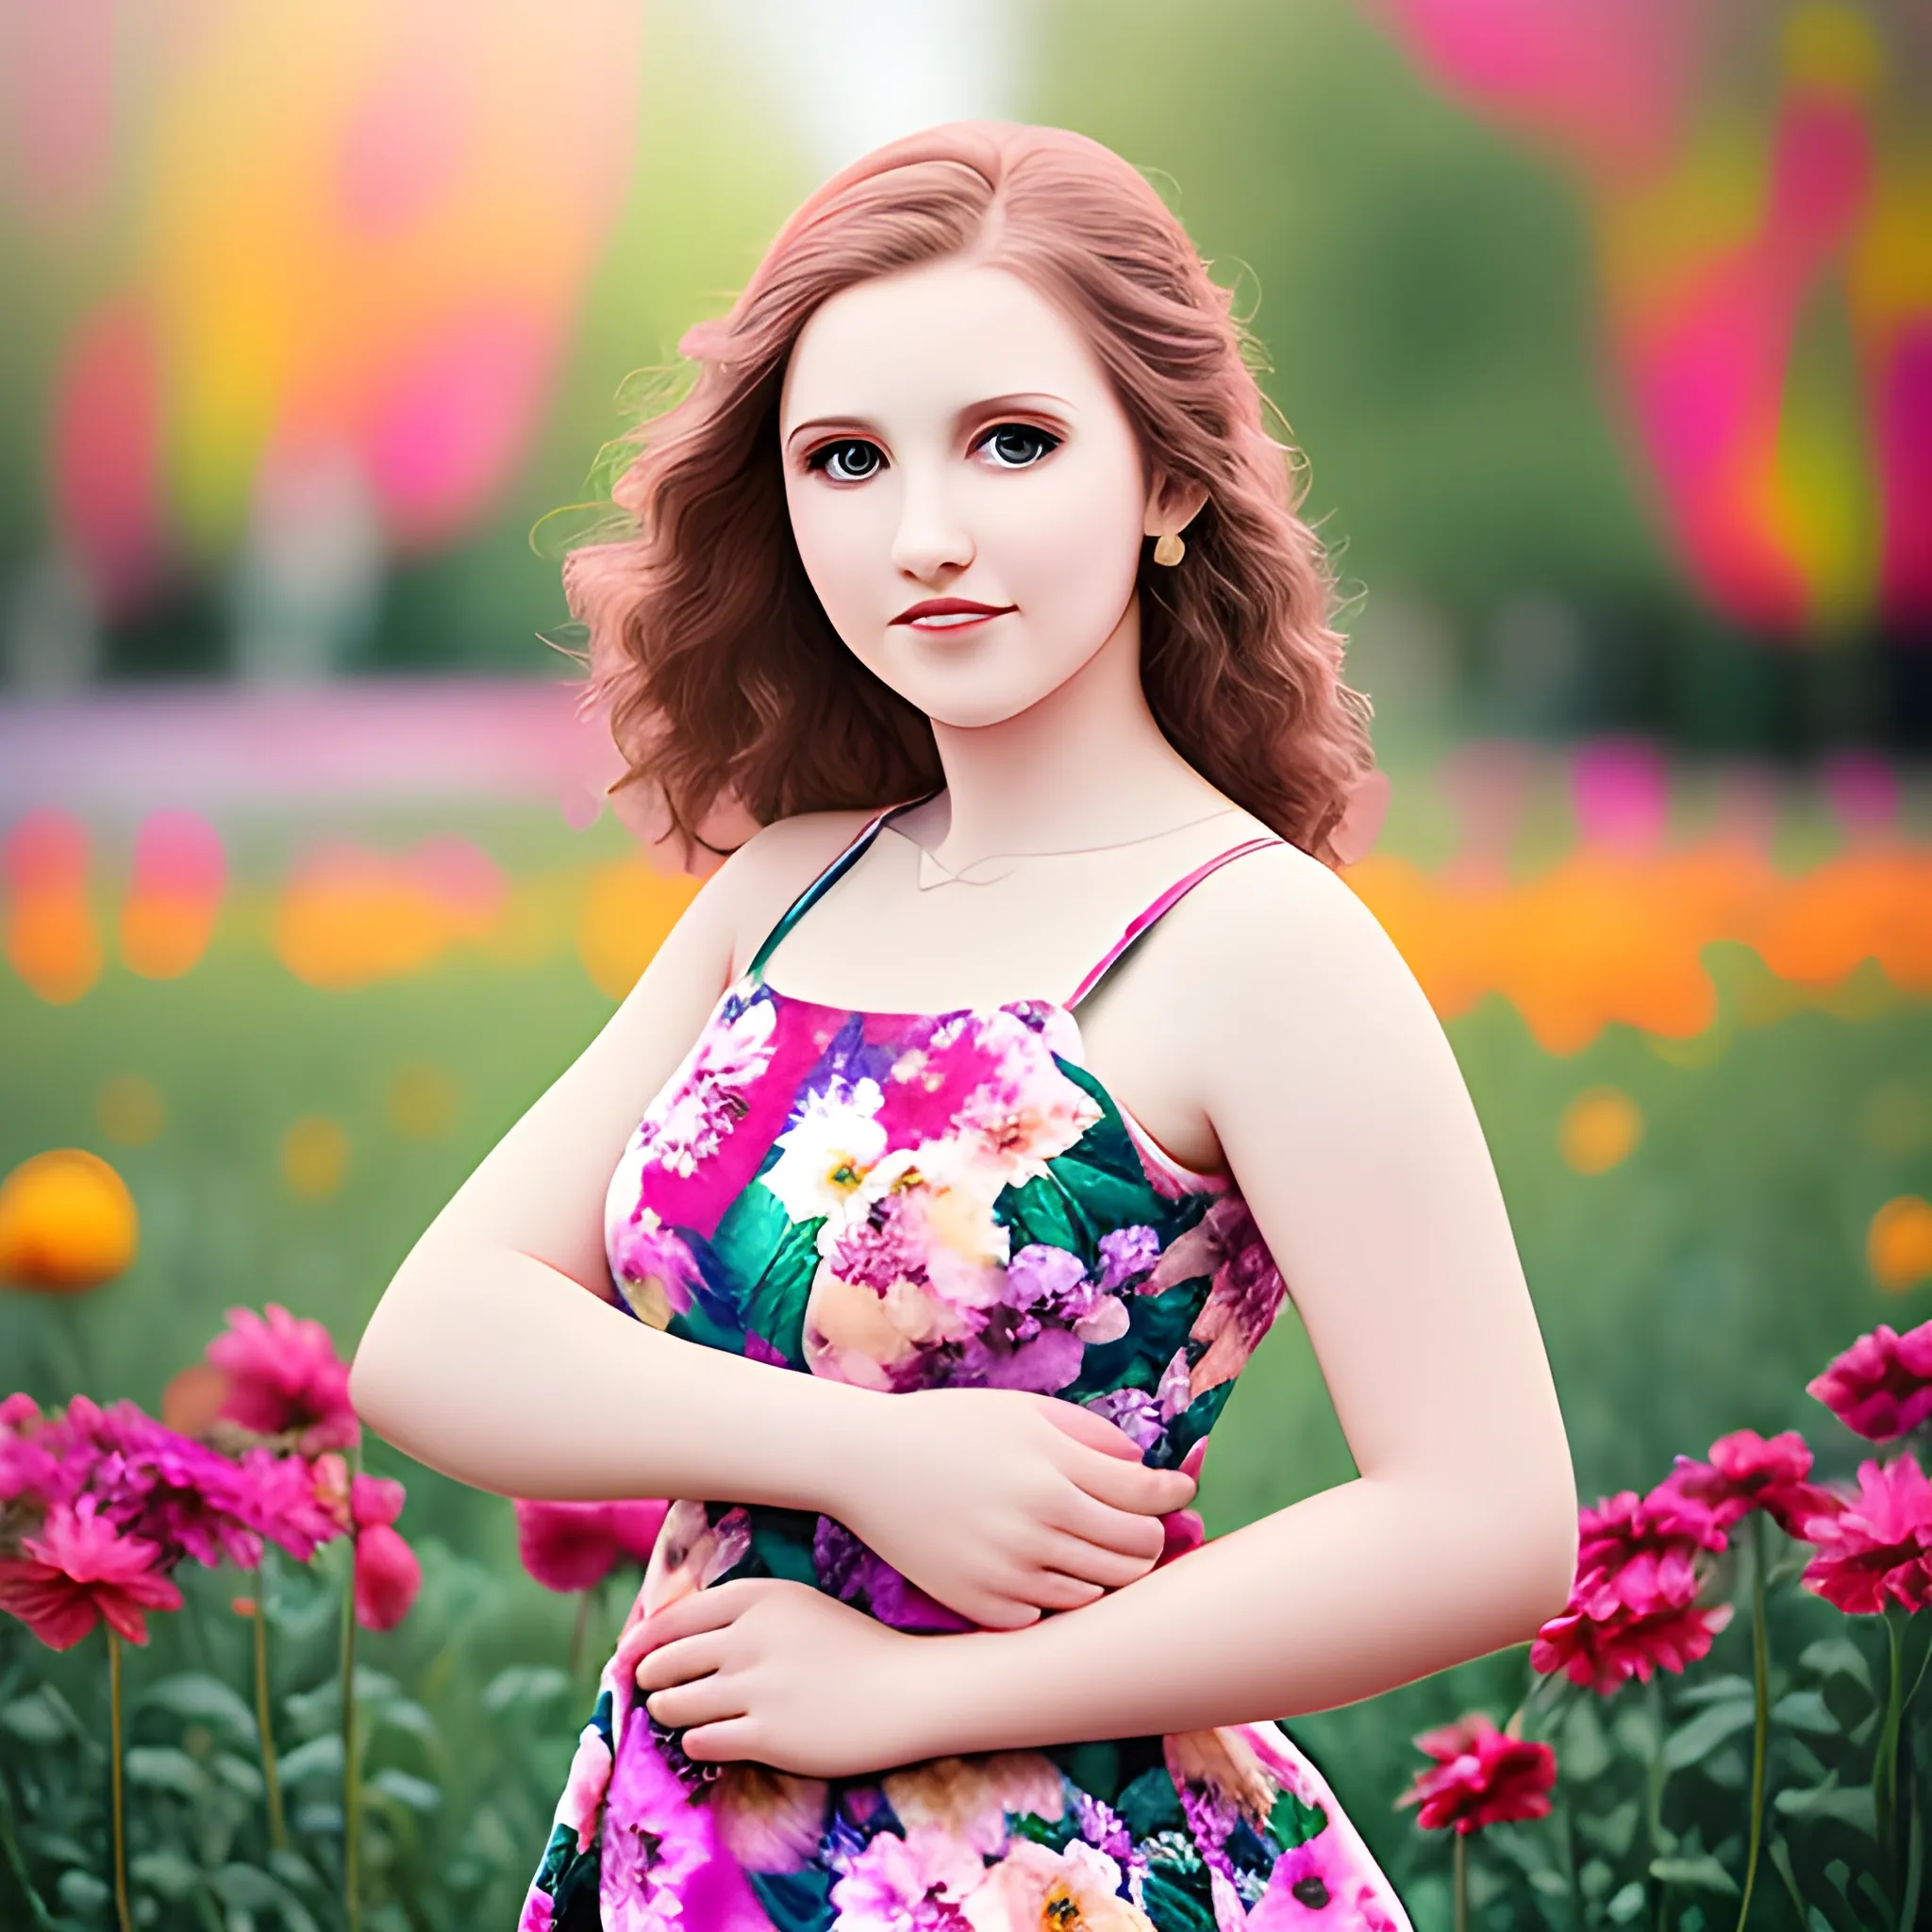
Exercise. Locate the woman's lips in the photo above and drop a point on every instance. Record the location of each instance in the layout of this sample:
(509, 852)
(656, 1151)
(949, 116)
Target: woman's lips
(950, 614)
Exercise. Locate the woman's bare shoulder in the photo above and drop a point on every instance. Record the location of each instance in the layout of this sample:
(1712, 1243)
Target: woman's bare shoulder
(776, 863)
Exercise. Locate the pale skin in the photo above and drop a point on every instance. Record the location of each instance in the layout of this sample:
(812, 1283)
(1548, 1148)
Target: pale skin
(948, 433)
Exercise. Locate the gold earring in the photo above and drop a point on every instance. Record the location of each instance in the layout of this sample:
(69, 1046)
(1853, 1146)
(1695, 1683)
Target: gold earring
(1170, 550)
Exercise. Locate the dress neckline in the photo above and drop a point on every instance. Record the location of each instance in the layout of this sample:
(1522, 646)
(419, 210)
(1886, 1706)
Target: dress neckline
(1179, 1170)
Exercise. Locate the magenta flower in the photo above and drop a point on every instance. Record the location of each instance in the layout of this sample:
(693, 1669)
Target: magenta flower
(1879, 1543)
(1607, 1653)
(388, 1575)
(1881, 1387)
(1745, 1472)
(1482, 1776)
(285, 1379)
(1632, 1609)
(80, 1569)
(574, 1546)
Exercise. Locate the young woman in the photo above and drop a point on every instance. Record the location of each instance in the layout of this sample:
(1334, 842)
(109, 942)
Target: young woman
(1022, 1056)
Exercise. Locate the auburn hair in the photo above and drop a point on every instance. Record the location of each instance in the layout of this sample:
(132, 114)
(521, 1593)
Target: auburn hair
(732, 699)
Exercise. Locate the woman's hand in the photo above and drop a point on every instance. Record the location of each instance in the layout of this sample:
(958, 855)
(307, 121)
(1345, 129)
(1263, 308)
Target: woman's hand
(784, 1675)
(1003, 1504)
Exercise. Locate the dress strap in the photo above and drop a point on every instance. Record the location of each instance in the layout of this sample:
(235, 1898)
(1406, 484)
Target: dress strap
(826, 881)
(1142, 922)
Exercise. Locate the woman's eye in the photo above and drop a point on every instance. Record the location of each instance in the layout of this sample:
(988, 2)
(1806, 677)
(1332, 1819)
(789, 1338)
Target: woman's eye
(1014, 445)
(851, 461)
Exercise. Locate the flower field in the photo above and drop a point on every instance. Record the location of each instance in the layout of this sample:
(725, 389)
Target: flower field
(264, 1051)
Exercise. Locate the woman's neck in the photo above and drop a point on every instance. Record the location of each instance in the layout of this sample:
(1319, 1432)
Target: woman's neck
(1086, 765)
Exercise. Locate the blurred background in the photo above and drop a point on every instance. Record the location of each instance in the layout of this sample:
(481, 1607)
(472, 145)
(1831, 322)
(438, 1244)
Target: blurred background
(1605, 332)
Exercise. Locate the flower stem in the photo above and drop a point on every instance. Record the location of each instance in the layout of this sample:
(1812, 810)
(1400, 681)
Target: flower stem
(114, 1779)
(576, 1634)
(271, 1783)
(1885, 1765)
(1761, 1734)
(352, 1779)
(1461, 1882)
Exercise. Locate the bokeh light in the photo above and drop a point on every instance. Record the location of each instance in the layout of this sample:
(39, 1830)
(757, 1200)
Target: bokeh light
(314, 1156)
(1599, 1129)
(67, 1222)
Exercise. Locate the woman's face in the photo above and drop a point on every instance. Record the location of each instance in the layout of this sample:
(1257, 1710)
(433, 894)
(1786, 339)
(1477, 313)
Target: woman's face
(949, 440)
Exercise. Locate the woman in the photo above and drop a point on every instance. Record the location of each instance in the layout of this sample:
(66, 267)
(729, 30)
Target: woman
(964, 601)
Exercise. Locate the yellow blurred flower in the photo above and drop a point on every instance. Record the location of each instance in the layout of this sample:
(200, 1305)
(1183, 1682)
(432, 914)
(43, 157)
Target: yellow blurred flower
(1898, 1244)
(1599, 1128)
(315, 1154)
(67, 1222)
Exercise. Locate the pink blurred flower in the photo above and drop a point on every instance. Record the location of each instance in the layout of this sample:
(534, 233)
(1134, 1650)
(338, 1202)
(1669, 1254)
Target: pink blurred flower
(574, 1546)
(1482, 1776)
(1745, 1472)
(80, 1569)
(1640, 1566)
(285, 1379)
(387, 1578)
(1605, 1653)
(1881, 1387)
(1635, 1552)
(1879, 1545)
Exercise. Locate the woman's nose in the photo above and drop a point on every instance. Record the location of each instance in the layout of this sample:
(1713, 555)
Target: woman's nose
(931, 538)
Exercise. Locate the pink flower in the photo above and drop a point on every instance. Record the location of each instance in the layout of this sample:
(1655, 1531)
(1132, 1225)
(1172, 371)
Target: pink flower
(1879, 1545)
(285, 1379)
(78, 1570)
(386, 1572)
(1632, 1609)
(1604, 1654)
(574, 1546)
(387, 1578)
(1482, 1776)
(1881, 1387)
(1747, 1473)
(910, 1884)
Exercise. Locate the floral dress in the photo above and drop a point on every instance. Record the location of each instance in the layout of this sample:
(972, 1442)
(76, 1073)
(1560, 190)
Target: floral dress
(913, 1201)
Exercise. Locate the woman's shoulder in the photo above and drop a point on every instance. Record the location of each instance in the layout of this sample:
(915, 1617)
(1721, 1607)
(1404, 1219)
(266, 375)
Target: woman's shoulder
(763, 877)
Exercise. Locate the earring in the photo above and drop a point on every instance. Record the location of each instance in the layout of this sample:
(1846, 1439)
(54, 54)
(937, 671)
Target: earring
(1170, 550)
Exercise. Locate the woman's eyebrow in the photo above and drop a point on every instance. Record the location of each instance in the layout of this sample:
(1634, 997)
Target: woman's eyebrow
(989, 406)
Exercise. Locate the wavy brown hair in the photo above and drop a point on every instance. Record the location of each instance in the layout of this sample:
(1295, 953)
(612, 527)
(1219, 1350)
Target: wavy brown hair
(730, 695)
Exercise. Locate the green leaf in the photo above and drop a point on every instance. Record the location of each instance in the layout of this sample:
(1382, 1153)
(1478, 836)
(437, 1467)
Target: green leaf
(524, 1684)
(318, 1758)
(1849, 1804)
(1627, 1905)
(238, 1774)
(161, 1768)
(1691, 1743)
(775, 1306)
(247, 1887)
(1584, 1752)
(1804, 1710)
(753, 1229)
(1697, 1875)
(1718, 1690)
(201, 1698)
(417, 1794)
(1838, 1656)
(171, 1873)
(43, 1716)
(1615, 1831)
(404, 1715)
(1105, 1146)
(81, 1891)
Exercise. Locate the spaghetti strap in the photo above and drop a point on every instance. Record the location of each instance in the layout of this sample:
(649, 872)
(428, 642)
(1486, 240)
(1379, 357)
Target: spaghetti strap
(1139, 925)
(824, 882)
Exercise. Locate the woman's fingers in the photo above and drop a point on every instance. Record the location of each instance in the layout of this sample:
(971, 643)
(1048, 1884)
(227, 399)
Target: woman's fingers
(1130, 1484)
(1094, 1521)
(704, 1701)
(680, 1661)
(1072, 1557)
(1054, 1590)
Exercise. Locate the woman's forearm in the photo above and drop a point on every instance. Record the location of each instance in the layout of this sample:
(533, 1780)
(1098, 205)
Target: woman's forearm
(498, 1369)
(1342, 1597)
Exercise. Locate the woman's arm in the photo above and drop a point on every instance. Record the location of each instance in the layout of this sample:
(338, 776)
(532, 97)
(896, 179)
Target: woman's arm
(496, 1356)
(1342, 1110)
